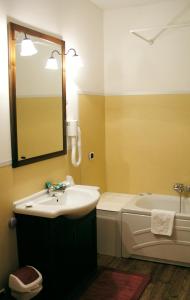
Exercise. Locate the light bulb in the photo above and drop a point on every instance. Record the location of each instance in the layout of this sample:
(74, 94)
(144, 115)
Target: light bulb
(51, 64)
(73, 64)
(27, 48)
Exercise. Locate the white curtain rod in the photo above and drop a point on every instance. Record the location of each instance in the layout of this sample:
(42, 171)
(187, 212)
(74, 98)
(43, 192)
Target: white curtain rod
(159, 27)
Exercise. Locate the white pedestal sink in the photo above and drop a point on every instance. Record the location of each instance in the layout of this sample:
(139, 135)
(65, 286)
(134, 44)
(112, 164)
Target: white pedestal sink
(76, 201)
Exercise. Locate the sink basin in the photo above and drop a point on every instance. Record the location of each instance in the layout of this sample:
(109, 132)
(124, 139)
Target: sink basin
(75, 202)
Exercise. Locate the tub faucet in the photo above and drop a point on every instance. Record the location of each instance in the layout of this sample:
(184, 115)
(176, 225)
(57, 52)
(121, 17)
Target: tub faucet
(179, 187)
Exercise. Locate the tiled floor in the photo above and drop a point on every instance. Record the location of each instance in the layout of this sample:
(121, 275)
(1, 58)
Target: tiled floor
(167, 281)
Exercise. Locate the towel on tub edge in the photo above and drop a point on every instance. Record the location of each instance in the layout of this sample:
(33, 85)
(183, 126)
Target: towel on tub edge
(162, 221)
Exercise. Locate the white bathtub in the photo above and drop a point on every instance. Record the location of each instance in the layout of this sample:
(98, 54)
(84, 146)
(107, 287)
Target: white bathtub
(144, 203)
(137, 239)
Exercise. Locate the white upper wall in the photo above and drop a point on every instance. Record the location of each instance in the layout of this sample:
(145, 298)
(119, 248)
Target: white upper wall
(79, 23)
(112, 4)
(5, 145)
(134, 66)
(82, 25)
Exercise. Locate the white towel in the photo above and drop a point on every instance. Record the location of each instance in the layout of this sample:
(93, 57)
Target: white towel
(162, 221)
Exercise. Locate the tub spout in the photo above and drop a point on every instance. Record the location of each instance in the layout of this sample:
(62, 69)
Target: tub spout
(179, 187)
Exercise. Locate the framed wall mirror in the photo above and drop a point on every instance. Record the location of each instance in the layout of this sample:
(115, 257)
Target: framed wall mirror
(37, 95)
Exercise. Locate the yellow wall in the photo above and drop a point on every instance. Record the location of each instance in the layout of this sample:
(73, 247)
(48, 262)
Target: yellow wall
(147, 149)
(147, 142)
(39, 125)
(23, 181)
(92, 121)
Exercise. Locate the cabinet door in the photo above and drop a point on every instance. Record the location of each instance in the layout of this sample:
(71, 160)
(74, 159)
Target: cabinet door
(33, 241)
(34, 247)
(74, 255)
(64, 250)
(86, 244)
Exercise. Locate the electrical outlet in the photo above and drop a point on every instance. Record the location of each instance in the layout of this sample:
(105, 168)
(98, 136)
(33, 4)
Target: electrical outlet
(91, 155)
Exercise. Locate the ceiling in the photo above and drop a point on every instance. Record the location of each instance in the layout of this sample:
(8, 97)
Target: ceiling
(109, 4)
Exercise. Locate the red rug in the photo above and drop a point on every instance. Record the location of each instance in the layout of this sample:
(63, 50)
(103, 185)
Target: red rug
(114, 285)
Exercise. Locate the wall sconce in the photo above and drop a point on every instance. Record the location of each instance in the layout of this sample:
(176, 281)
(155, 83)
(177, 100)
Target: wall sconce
(52, 61)
(27, 47)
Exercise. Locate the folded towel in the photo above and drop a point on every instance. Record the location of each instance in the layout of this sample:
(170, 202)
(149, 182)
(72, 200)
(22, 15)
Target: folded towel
(162, 221)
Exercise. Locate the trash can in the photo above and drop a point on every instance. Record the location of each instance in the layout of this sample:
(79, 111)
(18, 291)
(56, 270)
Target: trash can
(25, 283)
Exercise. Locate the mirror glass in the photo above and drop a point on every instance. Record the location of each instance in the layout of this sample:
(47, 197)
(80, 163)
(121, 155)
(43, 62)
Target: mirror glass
(37, 97)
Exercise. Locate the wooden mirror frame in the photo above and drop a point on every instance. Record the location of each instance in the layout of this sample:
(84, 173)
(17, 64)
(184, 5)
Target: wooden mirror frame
(12, 28)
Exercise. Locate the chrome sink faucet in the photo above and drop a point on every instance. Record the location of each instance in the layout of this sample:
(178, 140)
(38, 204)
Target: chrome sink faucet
(53, 189)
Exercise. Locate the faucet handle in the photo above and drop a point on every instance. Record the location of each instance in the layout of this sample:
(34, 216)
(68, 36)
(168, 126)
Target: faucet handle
(51, 190)
(179, 187)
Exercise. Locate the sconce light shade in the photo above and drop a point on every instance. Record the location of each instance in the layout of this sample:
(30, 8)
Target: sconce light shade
(27, 47)
(51, 64)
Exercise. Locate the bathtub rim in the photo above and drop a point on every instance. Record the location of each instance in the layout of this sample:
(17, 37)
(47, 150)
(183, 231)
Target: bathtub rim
(131, 207)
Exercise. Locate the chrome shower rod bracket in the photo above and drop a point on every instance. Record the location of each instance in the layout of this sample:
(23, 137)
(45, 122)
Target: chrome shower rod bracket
(149, 41)
(163, 28)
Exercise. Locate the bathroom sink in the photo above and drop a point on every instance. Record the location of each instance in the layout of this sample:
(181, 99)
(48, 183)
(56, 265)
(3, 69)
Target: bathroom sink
(74, 202)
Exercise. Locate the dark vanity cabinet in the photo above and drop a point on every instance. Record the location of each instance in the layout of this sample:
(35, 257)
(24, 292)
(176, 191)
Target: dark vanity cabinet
(64, 250)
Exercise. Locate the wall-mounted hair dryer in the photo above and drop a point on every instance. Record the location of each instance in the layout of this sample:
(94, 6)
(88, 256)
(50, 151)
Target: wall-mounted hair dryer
(74, 135)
